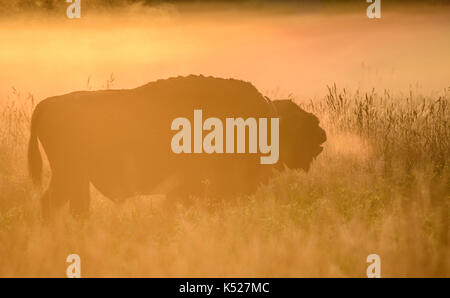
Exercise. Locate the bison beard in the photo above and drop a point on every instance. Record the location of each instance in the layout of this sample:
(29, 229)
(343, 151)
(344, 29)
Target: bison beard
(120, 141)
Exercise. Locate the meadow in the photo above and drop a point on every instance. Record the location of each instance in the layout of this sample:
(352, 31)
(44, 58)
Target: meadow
(381, 185)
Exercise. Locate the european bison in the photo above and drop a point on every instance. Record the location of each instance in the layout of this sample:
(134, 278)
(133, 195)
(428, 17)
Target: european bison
(120, 141)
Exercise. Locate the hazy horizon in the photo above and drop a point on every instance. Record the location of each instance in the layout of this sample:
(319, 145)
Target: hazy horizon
(281, 53)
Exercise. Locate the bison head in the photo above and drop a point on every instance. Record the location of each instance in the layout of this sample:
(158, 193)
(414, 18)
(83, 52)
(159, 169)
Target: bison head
(300, 135)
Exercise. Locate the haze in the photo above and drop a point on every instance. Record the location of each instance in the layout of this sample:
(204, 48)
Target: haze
(283, 54)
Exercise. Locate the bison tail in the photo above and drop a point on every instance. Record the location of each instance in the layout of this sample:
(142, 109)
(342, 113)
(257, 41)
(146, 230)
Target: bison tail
(34, 155)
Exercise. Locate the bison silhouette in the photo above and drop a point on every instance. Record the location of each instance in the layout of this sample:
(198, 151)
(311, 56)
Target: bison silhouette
(119, 140)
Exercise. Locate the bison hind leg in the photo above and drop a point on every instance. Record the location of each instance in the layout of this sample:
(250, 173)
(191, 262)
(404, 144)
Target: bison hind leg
(79, 199)
(51, 201)
(63, 190)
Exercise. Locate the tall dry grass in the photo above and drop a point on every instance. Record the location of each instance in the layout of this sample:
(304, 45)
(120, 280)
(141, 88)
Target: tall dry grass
(380, 186)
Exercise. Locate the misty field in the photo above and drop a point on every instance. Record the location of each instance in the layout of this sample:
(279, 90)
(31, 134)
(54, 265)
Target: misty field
(380, 186)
